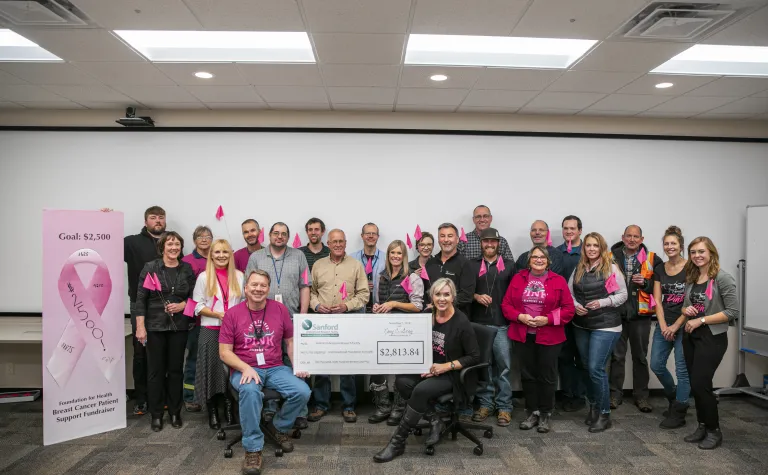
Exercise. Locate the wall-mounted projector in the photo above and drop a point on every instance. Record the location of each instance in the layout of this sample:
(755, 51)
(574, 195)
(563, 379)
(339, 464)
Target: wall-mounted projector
(130, 119)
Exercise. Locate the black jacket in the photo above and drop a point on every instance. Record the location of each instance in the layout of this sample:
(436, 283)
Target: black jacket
(629, 310)
(556, 256)
(459, 270)
(499, 282)
(138, 250)
(151, 306)
(461, 345)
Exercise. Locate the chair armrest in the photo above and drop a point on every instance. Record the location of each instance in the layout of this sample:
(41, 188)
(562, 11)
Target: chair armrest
(464, 371)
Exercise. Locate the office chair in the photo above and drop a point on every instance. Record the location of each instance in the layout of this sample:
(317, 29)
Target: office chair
(485, 336)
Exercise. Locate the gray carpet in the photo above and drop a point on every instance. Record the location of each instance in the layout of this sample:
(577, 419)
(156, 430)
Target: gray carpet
(634, 446)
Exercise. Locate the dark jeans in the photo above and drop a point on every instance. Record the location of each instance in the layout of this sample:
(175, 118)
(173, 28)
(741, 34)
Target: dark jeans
(573, 374)
(421, 392)
(322, 392)
(139, 365)
(191, 364)
(703, 354)
(595, 348)
(637, 334)
(165, 362)
(538, 373)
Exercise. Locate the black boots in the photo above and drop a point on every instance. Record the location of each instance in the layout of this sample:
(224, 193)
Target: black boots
(229, 410)
(436, 429)
(213, 414)
(592, 415)
(176, 421)
(383, 406)
(396, 445)
(712, 440)
(676, 416)
(697, 435)
(397, 410)
(602, 423)
(157, 423)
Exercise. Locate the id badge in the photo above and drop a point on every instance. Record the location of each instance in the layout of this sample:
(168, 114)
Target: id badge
(260, 359)
(279, 298)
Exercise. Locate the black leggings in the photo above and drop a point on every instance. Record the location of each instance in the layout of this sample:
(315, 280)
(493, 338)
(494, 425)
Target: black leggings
(538, 373)
(421, 392)
(165, 379)
(703, 354)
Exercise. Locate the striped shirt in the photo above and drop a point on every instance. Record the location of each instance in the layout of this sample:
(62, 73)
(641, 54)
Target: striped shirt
(312, 257)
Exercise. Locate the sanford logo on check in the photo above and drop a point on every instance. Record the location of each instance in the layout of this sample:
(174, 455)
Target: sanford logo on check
(321, 330)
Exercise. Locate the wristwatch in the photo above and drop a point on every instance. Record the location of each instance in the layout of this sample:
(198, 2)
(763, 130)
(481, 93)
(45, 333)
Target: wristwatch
(453, 366)
(704, 322)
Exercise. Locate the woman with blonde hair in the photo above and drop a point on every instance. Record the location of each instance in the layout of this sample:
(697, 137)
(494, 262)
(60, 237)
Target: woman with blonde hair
(598, 288)
(711, 301)
(218, 288)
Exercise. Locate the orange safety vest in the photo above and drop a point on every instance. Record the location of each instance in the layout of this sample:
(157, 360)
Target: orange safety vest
(643, 298)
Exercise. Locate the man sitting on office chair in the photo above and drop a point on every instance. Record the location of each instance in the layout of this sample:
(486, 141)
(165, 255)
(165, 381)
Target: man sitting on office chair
(250, 342)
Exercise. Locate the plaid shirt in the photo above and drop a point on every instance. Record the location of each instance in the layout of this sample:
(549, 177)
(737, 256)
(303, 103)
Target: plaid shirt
(473, 249)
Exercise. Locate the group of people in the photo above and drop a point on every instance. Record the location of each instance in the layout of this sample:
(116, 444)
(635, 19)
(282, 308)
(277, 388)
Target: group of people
(567, 313)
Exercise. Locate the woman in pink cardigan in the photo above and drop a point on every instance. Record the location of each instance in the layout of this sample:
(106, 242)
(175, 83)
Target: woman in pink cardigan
(538, 304)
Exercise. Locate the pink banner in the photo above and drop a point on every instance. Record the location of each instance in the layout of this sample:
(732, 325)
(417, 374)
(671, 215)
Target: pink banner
(83, 324)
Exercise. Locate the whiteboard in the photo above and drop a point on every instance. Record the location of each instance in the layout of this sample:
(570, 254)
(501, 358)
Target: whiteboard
(394, 180)
(755, 310)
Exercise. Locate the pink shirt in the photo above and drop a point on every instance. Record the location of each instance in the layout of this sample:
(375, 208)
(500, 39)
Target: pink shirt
(241, 258)
(533, 297)
(241, 327)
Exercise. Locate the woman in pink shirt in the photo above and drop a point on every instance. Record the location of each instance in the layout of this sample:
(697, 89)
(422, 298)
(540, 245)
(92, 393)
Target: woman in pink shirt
(218, 288)
(538, 304)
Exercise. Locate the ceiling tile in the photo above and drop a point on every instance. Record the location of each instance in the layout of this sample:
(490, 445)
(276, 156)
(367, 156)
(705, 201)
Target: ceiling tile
(628, 102)
(430, 97)
(114, 106)
(692, 104)
(665, 115)
(598, 113)
(363, 107)
(564, 100)
(423, 108)
(8, 78)
(291, 94)
(714, 116)
(91, 93)
(28, 93)
(517, 79)
(546, 111)
(751, 31)
(157, 94)
(10, 105)
(281, 74)
(373, 75)
(347, 48)
(682, 84)
(357, 16)
(749, 105)
(224, 93)
(362, 95)
(582, 19)
(300, 106)
(498, 98)
(460, 17)
(592, 81)
(248, 15)
(175, 105)
(130, 74)
(237, 105)
(487, 110)
(761, 94)
(139, 14)
(731, 87)
(630, 57)
(51, 105)
(49, 73)
(183, 74)
(82, 44)
(458, 78)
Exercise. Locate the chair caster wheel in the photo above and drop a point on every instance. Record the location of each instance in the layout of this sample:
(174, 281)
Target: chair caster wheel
(488, 434)
(417, 432)
(478, 450)
(278, 452)
(221, 435)
(228, 453)
(296, 434)
(430, 450)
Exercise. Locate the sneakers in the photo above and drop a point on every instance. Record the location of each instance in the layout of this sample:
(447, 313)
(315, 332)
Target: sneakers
(316, 415)
(504, 418)
(615, 402)
(481, 414)
(349, 416)
(193, 407)
(140, 409)
(282, 438)
(531, 422)
(643, 405)
(543, 423)
(252, 463)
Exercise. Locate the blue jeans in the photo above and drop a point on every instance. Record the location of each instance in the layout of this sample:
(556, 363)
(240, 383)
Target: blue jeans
(498, 375)
(595, 348)
(660, 354)
(191, 364)
(280, 379)
(322, 392)
(271, 406)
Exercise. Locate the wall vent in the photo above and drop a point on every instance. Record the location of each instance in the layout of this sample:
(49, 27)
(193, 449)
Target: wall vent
(42, 13)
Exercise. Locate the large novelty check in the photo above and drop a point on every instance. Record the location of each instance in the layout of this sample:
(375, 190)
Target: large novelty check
(362, 343)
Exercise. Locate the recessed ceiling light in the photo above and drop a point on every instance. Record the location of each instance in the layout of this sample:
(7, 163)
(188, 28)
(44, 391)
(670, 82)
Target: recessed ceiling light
(221, 46)
(14, 47)
(205, 75)
(664, 85)
(498, 51)
(719, 60)
(438, 77)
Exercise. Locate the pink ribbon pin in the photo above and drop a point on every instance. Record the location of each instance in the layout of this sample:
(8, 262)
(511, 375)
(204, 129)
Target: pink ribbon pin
(343, 291)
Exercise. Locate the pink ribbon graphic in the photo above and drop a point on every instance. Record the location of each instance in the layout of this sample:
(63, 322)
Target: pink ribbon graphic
(85, 328)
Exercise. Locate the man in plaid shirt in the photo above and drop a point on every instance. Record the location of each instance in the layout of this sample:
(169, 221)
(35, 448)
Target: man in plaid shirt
(472, 249)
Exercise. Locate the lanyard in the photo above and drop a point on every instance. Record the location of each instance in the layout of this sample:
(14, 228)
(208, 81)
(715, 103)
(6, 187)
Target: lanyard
(258, 334)
(278, 276)
(493, 283)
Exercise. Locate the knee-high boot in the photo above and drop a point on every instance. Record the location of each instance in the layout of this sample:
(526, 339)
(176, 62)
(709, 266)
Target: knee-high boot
(396, 445)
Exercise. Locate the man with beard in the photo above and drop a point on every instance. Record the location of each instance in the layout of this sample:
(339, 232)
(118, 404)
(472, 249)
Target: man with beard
(315, 249)
(373, 260)
(473, 249)
(138, 250)
(251, 231)
(494, 274)
(539, 237)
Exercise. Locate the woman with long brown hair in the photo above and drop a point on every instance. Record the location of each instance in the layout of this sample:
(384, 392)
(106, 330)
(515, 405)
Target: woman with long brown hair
(711, 301)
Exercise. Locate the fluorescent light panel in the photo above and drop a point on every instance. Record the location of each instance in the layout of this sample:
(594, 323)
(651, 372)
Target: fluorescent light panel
(498, 51)
(221, 46)
(14, 47)
(719, 60)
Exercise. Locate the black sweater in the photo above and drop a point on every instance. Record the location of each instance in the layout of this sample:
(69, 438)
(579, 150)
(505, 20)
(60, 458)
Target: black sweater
(459, 270)
(455, 340)
(494, 284)
(138, 250)
(149, 304)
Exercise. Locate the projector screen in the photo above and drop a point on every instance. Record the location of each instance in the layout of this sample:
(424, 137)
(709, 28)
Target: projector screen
(394, 180)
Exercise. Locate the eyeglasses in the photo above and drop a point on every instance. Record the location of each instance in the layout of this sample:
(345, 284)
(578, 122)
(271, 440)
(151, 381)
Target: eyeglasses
(279, 234)
(370, 234)
(426, 245)
(204, 238)
(337, 242)
(482, 216)
(538, 258)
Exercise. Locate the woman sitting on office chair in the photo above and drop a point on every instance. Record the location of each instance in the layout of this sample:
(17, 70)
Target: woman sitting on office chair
(454, 346)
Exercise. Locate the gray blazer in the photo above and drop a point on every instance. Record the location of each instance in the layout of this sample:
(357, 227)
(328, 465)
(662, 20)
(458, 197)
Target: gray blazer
(724, 299)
